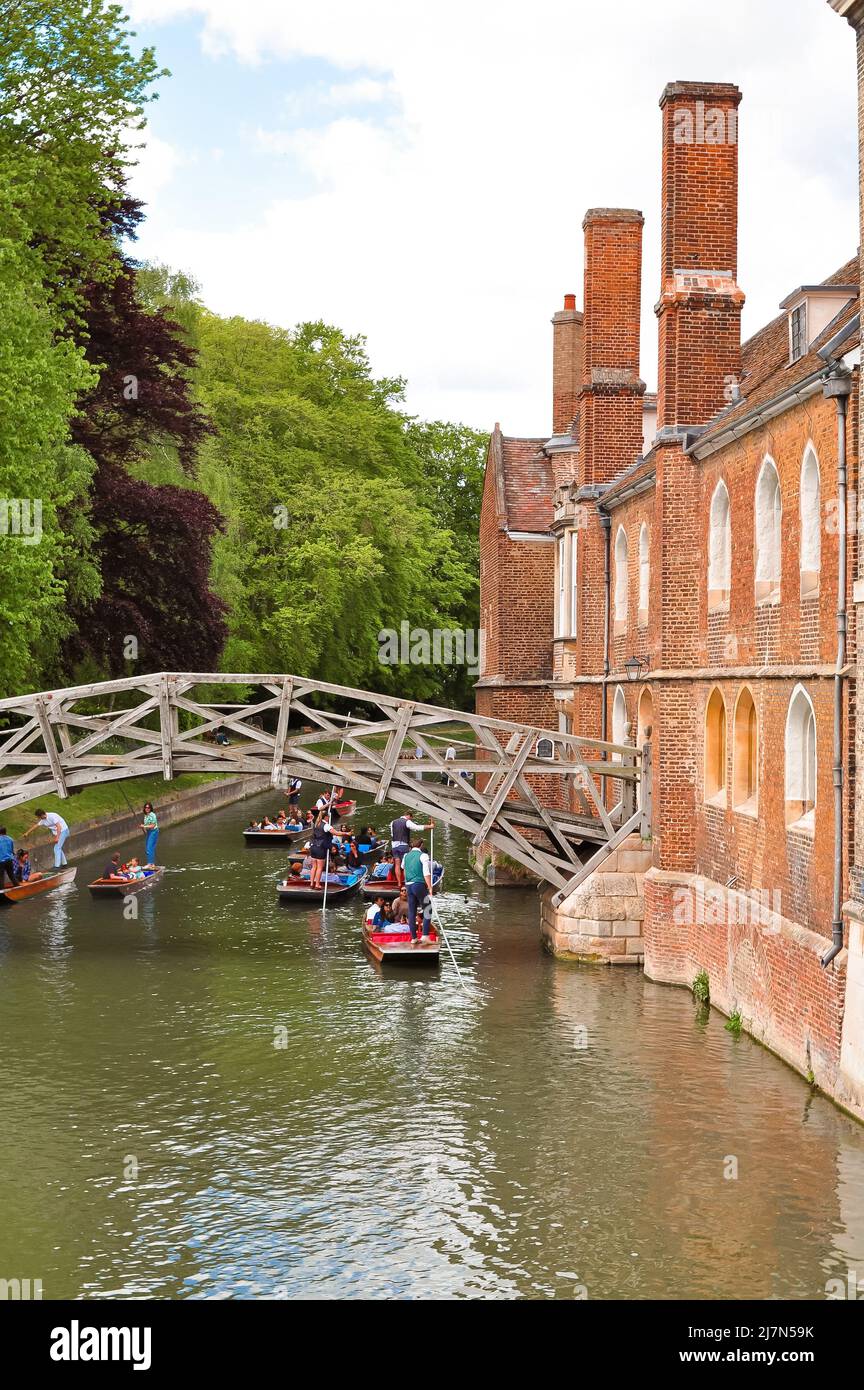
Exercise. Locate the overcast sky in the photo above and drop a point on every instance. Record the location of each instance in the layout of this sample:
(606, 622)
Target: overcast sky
(418, 170)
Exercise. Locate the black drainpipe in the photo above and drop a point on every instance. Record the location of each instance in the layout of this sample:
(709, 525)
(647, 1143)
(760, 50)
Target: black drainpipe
(838, 387)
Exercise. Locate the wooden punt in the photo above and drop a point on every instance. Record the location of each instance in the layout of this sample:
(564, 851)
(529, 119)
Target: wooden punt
(396, 948)
(369, 854)
(112, 888)
(296, 888)
(341, 810)
(39, 885)
(274, 837)
(387, 887)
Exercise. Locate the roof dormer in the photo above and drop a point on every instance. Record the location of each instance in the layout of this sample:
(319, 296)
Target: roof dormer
(810, 309)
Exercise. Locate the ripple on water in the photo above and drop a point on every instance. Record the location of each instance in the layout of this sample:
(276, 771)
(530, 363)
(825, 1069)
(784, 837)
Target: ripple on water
(228, 1099)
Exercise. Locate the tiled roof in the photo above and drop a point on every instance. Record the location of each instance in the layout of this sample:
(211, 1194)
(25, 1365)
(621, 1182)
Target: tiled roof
(766, 371)
(528, 484)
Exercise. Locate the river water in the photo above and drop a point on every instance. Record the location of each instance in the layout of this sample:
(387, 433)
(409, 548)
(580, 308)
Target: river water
(225, 1098)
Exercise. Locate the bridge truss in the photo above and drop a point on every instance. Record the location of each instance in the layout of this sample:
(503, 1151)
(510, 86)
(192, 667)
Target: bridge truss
(536, 794)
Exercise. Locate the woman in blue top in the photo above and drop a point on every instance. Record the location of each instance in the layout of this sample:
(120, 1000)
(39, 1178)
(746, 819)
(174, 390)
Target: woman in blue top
(150, 826)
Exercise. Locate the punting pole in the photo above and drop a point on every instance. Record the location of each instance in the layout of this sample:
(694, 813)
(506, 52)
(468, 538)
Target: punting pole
(435, 913)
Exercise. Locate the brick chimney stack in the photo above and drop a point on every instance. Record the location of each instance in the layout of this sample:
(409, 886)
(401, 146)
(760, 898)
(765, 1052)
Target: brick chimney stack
(700, 302)
(611, 401)
(566, 365)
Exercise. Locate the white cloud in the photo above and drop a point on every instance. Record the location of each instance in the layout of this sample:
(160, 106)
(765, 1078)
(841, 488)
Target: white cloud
(450, 230)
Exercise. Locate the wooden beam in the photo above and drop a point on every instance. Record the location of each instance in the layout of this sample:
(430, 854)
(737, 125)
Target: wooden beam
(281, 731)
(165, 694)
(518, 760)
(394, 748)
(51, 749)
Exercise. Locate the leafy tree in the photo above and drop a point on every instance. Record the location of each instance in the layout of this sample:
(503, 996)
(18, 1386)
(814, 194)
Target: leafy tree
(72, 95)
(41, 473)
(329, 538)
(153, 542)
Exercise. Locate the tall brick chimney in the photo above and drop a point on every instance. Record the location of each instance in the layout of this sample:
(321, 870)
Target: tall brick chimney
(700, 302)
(611, 401)
(566, 365)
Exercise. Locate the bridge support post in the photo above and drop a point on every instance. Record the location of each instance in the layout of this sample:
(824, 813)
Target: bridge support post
(600, 922)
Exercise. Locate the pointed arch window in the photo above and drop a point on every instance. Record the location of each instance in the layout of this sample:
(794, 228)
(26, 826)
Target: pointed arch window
(719, 548)
(644, 573)
(811, 538)
(745, 755)
(715, 750)
(769, 516)
(622, 585)
(801, 761)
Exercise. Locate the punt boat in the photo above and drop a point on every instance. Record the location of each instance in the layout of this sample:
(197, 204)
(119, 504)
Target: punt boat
(274, 836)
(384, 885)
(116, 888)
(38, 885)
(296, 888)
(396, 948)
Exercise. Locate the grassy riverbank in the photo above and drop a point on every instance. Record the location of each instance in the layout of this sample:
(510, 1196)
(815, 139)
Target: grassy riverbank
(102, 800)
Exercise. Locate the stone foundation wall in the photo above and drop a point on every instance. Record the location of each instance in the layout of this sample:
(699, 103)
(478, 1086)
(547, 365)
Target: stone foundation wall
(601, 923)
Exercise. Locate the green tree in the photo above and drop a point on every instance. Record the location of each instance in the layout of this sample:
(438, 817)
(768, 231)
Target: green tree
(42, 475)
(72, 97)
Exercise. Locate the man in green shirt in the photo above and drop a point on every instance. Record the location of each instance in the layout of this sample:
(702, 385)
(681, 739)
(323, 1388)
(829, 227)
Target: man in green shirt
(417, 868)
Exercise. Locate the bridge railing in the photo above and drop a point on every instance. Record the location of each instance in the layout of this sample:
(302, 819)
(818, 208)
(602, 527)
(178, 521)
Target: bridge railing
(535, 793)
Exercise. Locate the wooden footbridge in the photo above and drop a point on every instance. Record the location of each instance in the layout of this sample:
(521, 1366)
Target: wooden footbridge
(536, 794)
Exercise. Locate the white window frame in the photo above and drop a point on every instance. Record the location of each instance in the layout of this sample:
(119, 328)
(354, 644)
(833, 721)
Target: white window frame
(810, 509)
(622, 582)
(573, 550)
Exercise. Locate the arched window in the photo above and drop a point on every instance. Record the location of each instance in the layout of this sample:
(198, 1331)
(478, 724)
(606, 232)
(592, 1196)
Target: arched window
(644, 726)
(745, 754)
(620, 724)
(719, 549)
(769, 513)
(560, 600)
(621, 580)
(574, 583)
(811, 542)
(644, 574)
(800, 760)
(715, 749)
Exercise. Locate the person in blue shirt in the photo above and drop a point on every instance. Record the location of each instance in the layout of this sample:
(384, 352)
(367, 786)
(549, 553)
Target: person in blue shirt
(8, 862)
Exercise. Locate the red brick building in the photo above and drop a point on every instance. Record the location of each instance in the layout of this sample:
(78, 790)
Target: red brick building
(702, 538)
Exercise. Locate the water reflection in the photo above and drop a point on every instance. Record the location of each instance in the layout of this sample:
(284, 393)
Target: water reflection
(548, 1128)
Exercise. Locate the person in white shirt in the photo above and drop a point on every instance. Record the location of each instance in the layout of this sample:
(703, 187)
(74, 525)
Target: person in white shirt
(49, 820)
(449, 757)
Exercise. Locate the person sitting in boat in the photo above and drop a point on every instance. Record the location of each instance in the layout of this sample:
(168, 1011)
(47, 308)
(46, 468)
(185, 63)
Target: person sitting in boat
(254, 825)
(281, 821)
(353, 858)
(375, 913)
(267, 824)
(369, 836)
(134, 870)
(26, 872)
(400, 906)
(309, 819)
(115, 871)
(383, 869)
(8, 862)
